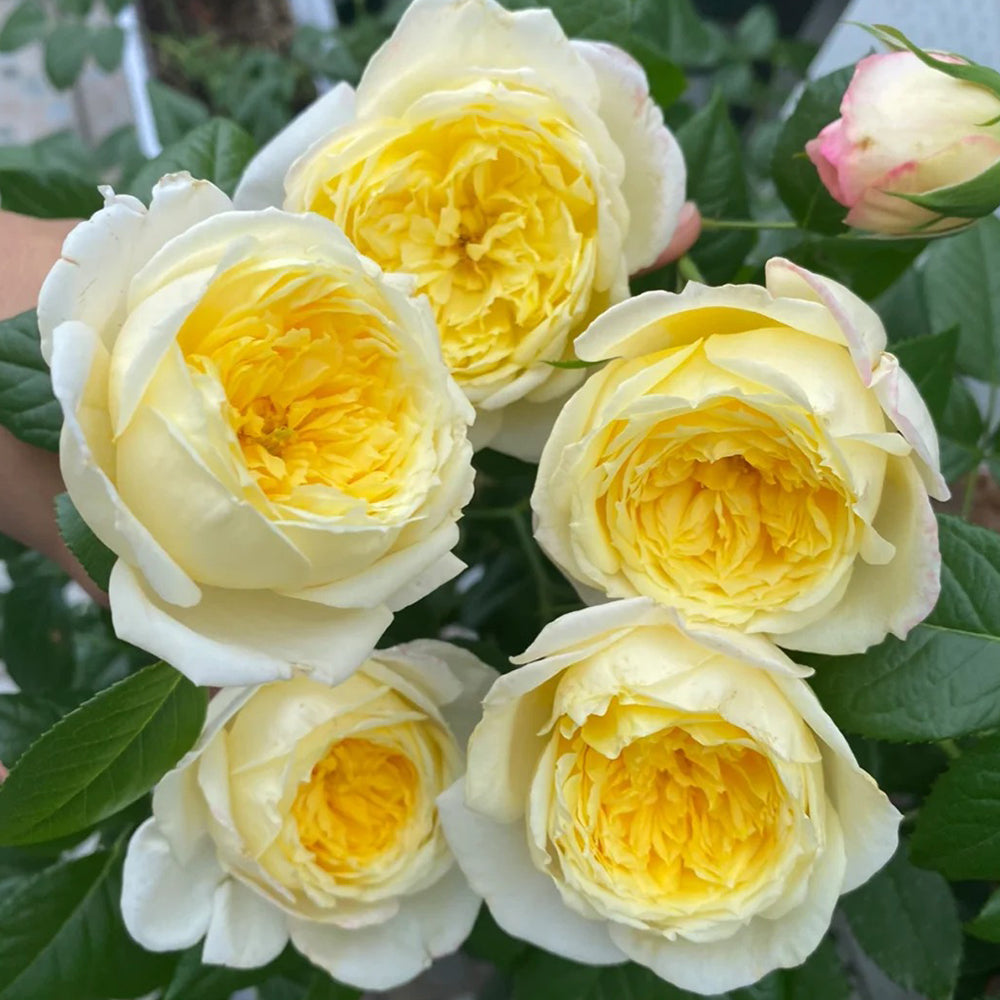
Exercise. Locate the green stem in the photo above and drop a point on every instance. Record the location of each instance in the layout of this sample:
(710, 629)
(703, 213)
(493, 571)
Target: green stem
(532, 553)
(748, 224)
(688, 270)
(951, 749)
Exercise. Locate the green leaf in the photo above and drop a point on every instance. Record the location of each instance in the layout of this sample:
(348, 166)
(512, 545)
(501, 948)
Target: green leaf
(217, 151)
(101, 757)
(27, 407)
(95, 557)
(717, 183)
(77, 8)
(175, 113)
(930, 362)
(23, 718)
(491, 944)
(958, 829)
(676, 31)
(194, 981)
(942, 681)
(66, 51)
(61, 935)
(907, 922)
(960, 431)
(757, 32)
(867, 266)
(106, 44)
(25, 24)
(797, 180)
(986, 926)
(666, 79)
(962, 286)
(574, 363)
(48, 194)
(968, 200)
(36, 640)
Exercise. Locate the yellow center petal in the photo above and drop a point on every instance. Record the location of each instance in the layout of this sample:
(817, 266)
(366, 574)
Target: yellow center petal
(315, 388)
(491, 206)
(358, 801)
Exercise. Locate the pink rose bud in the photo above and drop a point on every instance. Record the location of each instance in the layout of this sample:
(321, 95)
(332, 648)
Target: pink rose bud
(915, 151)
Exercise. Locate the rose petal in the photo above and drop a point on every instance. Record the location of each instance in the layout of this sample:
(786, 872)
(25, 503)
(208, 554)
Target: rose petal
(246, 931)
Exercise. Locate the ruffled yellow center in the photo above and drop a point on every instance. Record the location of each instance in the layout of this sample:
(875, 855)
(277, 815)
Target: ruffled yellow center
(494, 213)
(315, 389)
(677, 819)
(356, 805)
(725, 507)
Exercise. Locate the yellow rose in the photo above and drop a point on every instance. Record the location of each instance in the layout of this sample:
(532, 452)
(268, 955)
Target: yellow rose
(520, 177)
(752, 456)
(672, 794)
(260, 425)
(307, 812)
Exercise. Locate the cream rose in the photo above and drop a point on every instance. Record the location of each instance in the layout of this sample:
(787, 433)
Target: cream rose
(914, 151)
(260, 425)
(307, 812)
(672, 794)
(752, 456)
(520, 177)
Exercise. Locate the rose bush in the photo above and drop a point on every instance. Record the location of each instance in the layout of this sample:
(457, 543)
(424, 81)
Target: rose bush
(915, 150)
(307, 812)
(641, 788)
(519, 176)
(752, 456)
(259, 424)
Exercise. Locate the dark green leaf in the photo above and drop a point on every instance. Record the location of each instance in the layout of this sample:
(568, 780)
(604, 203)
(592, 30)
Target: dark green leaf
(674, 30)
(969, 200)
(61, 935)
(95, 557)
(48, 194)
(27, 407)
(796, 178)
(25, 24)
(942, 681)
(960, 430)
(906, 921)
(958, 829)
(194, 981)
(216, 151)
(23, 718)
(175, 113)
(987, 925)
(717, 184)
(962, 285)
(666, 79)
(930, 362)
(36, 641)
(106, 44)
(65, 53)
(101, 757)
(491, 944)
(867, 266)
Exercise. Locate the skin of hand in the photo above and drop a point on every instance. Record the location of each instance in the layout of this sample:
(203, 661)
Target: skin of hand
(30, 477)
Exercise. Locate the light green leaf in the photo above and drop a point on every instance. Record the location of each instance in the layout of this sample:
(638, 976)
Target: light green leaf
(986, 926)
(95, 557)
(930, 362)
(907, 922)
(958, 828)
(106, 44)
(27, 407)
(796, 178)
(217, 151)
(942, 681)
(175, 113)
(25, 24)
(962, 286)
(132, 734)
(66, 51)
(757, 32)
(717, 184)
(61, 935)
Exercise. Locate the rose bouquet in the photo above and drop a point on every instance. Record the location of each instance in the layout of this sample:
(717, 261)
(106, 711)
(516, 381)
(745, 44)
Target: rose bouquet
(517, 542)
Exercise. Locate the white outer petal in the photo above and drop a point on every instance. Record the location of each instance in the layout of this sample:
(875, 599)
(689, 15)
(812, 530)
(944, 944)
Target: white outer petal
(442, 43)
(246, 931)
(655, 174)
(263, 181)
(166, 906)
(428, 925)
(524, 427)
(244, 637)
(523, 900)
(90, 281)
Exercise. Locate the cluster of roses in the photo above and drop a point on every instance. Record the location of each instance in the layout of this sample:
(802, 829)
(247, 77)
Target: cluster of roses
(273, 432)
